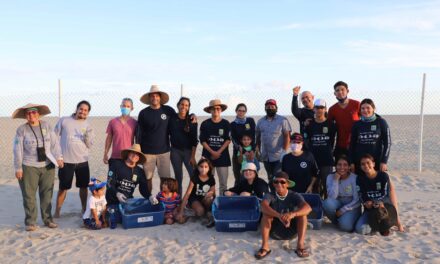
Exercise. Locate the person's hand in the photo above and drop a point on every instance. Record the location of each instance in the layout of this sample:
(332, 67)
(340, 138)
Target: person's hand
(193, 118)
(400, 227)
(309, 189)
(153, 200)
(352, 168)
(193, 161)
(60, 163)
(229, 193)
(215, 155)
(250, 156)
(296, 90)
(338, 213)
(121, 197)
(105, 159)
(19, 175)
(337, 176)
(383, 167)
(98, 224)
(245, 194)
(368, 204)
(209, 195)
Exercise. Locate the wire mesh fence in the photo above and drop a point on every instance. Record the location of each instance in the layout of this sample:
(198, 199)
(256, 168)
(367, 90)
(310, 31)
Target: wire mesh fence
(399, 108)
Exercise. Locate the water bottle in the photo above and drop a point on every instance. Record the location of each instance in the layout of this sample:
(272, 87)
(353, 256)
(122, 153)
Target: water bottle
(112, 218)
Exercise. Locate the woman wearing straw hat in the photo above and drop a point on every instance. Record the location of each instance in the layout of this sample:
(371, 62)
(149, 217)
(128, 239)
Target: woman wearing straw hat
(214, 136)
(36, 153)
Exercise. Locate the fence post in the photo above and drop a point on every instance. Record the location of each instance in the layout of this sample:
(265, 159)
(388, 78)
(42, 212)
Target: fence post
(181, 90)
(59, 97)
(421, 123)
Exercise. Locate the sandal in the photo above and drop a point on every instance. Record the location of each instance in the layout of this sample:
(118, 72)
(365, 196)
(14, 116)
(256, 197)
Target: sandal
(302, 252)
(262, 253)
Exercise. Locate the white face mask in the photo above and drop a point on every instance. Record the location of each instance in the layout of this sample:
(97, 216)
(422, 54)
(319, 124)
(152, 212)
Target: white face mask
(295, 147)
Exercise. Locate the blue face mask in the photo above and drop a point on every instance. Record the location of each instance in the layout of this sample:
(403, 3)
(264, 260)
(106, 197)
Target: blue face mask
(125, 111)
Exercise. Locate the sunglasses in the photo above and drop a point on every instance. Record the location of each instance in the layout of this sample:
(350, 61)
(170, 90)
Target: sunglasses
(279, 182)
(32, 112)
(320, 107)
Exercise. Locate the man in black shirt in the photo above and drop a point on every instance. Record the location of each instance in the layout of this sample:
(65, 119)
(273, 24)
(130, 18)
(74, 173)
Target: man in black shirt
(304, 115)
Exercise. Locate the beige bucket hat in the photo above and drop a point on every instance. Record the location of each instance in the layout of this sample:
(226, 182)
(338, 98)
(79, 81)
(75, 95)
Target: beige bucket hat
(213, 103)
(21, 111)
(136, 148)
(164, 97)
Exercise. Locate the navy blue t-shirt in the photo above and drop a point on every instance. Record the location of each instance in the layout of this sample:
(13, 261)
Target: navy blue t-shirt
(320, 139)
(237, 131)
(370, 137)
(154, 133)
(124, 179)
(373, 189)
(300, 169)
(215, 135)
(180, 138)
(201, 188)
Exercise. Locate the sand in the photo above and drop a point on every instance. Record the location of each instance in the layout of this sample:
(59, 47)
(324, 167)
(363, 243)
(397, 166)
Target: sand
(193, 243)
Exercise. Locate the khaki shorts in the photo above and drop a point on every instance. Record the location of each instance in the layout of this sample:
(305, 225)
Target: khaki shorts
(161, 161)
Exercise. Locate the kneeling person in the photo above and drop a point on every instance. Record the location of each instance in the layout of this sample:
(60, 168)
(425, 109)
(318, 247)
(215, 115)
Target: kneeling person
(123, 177)
(284, 216)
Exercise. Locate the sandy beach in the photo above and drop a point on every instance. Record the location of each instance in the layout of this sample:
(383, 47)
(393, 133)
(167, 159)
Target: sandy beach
(418, 195)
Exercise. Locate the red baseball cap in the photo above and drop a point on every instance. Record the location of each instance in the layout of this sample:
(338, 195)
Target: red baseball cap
(271, 102)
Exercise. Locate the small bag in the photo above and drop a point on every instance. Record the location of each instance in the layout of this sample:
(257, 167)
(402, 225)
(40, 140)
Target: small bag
(41, 154)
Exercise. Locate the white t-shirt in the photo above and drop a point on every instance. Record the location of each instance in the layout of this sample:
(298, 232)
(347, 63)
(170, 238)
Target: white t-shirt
(97, 204)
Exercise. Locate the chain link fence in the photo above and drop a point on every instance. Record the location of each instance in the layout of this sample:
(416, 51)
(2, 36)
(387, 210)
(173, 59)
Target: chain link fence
(399, 107)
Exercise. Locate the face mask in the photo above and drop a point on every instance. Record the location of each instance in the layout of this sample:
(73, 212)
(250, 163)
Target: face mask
(296, 147)
(271, 112)
(125, 111)
(341, 100)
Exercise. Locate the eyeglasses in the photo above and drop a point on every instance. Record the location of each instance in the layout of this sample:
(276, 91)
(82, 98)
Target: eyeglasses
(32, 112)
(279, 182)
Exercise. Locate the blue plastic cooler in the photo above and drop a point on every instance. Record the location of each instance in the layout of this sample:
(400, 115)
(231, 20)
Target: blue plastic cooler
(139, 212)
(236, 213)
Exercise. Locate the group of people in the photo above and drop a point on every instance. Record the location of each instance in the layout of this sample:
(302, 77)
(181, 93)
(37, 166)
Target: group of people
(349, 137)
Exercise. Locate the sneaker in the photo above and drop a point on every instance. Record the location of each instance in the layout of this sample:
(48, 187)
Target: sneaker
(51, 225)
(31, 228)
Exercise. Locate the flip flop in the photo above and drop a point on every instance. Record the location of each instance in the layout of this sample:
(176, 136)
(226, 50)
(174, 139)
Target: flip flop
(302, 252)
(262, 253)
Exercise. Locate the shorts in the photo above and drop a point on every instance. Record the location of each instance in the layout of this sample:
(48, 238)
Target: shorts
(279, 232)
(81, 171)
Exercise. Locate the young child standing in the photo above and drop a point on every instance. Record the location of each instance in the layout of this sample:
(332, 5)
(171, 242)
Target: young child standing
(201, 191)
(169, 196)
(247, 153)
(94, 216)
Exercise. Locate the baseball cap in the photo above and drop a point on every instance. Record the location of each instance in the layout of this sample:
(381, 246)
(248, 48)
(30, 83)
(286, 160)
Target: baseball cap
(96, 184)
(285, 176)
(320, 102)
(296, 137)
(271, 102)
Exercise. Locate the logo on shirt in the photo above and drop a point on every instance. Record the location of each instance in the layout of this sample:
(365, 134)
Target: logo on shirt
(325, 130)
(303, 164)
(163, 116)
(221, 131)
(110, 173)
(83, 130)
(134, 178)
(373, 128)
(348, 189)
(378, 186)
(247, 126)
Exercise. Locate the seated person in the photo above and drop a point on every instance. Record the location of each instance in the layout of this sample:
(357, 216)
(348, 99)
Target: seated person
(342, 205)
(249, 184)
(284, 216)
(375, 190)
(94, 216)
(123, 177)
(170, 197)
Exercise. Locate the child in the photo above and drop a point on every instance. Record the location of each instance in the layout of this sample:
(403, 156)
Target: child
(201, 191)
(247, 153)
(94, 216)
(171, 199)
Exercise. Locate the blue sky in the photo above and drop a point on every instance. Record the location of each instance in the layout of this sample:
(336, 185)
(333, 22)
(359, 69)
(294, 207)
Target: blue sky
(235, 50)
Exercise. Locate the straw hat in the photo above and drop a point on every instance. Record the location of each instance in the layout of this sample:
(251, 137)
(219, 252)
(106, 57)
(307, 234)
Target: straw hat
(213, 103)
(21, 112)
(136, 148)
(155, 89)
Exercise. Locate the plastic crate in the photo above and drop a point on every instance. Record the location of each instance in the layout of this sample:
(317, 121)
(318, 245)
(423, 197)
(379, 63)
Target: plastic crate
(236, 213)
(139, 212)
(317, 214)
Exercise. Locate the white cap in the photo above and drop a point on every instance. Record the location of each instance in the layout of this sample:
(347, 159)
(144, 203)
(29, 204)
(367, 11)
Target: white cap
(320, 102)
(250, 166)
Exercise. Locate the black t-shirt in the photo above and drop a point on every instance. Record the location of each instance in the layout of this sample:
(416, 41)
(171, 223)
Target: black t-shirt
(373, 189)
(292, 202)
(302, 114)
(237, 131)
(201, 187)
(370, 137)
(258, 188)
(180, 138)
(124, 179)
(320, 139)
(301, 169)
(215, 135)
(154, 133)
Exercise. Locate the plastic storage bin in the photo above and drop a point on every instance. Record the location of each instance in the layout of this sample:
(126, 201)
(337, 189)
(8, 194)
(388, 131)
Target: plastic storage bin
(139, 212)
(316, 216)
(236, 213)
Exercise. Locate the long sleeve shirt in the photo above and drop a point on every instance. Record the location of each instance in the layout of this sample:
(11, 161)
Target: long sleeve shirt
(302, 114)
(344, 191)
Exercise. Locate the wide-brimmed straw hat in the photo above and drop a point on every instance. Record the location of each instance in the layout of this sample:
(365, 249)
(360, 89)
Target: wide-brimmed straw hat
(136, 148)
(382, 218)
(21, 112)
(215, 102)
(164, 97)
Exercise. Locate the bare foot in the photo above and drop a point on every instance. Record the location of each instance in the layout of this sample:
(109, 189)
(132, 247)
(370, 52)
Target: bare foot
(57, 214)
